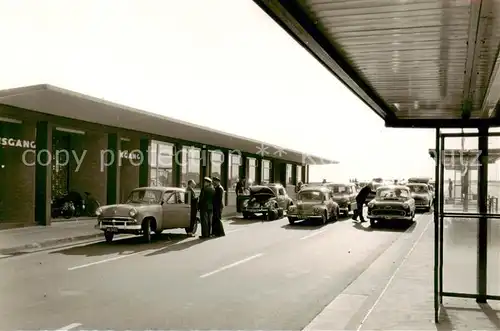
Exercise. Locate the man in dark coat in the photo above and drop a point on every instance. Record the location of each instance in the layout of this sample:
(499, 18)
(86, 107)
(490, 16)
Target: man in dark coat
(206, 205)
(360, 201)
(192, 199)
(217, 227)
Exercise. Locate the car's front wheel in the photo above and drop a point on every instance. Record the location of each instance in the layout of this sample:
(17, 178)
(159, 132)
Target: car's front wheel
(109, 236)
(146, 230)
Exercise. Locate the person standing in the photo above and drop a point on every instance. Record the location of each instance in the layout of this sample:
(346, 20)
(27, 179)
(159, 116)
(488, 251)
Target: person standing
(206, 205)
(450, 188)
(360, 201)
(218, 206)
(192, 199)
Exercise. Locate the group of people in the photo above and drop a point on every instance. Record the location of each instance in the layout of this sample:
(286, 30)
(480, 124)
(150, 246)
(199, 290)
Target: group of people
(210, 204)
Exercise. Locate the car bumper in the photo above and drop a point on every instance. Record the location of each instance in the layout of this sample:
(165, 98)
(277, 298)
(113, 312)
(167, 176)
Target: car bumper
(301, 216)
(128, 227)
(254, 210)
(390, 217)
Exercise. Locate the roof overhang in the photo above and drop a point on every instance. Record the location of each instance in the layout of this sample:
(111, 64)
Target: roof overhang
(55, 101)
(457, 159)
(406, 60)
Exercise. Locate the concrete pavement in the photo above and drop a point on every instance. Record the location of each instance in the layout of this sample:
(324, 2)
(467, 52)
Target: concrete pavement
(262, 275)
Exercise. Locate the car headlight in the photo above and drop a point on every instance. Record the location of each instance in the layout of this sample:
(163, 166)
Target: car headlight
(245, 203)
(292, 207)
(406, 206)
(132, 212)
(318, 210)
(371, 205)
(98, 211)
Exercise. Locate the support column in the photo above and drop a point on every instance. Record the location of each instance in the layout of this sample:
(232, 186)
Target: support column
(204, 163)
(113, 163)
(43, 173)
(279, 172)
(305, 173)
(144, 146)
(294, 174)
(244, 167)
(258, 170)
(226, 159)
(177, 164)
(482, 240)
(271, 171)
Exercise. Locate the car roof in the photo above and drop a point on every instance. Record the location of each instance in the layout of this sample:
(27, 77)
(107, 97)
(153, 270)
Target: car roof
(161, 188)
(273, 184)
(315, 188)
(401, 187)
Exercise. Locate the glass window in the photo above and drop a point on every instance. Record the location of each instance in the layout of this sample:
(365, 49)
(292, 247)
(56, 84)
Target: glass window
(216, 159)
(191, 165)
(144, 196)
(391, 193)
(165, 155)
(152, 174)
(310, 196)
(234, 172)
(289, 179)
(299, 174)
(153, 153)
(161, 157)
(252, 170)
(266, 171)
(281, 191)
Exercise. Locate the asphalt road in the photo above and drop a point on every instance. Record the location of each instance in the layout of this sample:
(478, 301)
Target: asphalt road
(262, 275)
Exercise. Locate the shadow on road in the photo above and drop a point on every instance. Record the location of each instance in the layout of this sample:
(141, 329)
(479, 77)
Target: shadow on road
(304, 225)
(182, 245)
(385, 226)
(124, 246)
(242, 221)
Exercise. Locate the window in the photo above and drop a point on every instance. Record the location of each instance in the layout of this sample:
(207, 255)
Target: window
(281, 191)
(234, 172)
(310, 196)
(289, 179)
(144, 196)
(252, 170)
(390, 193)
(160, 159)
(191, 165)
(299, 174)
(216, 160)
(266, 171)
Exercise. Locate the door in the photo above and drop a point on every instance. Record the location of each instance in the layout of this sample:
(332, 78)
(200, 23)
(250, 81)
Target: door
(175, 211)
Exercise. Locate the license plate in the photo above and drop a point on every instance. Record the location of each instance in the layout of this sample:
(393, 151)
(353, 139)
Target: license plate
(111, 229)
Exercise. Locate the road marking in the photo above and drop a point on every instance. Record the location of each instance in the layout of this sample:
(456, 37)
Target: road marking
(117, 258)
(313, 234)
(231, 265)
(379, 298)
(69, 327)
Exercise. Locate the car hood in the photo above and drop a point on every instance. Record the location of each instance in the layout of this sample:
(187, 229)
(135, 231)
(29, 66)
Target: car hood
(386, 202)
(121, 210)
(261, 191)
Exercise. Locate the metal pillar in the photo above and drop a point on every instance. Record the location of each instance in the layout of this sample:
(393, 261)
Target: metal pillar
(178, 158)
(43, 174)
(482, 239)
(226, 159)
(144, 146)
(437, 248)
(113, 169)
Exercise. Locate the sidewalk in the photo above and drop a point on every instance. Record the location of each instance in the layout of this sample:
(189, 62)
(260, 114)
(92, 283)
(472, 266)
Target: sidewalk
(401, 297)
(16, 240)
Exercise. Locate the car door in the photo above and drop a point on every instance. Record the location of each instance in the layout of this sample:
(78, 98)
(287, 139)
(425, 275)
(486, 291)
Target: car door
(172, 211)
(184, 215)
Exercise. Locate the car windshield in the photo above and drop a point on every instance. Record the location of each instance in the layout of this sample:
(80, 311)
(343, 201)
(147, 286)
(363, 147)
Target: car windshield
(339, 189)
(144, 196)
(418, 188)
(310, 196)
(390, 193)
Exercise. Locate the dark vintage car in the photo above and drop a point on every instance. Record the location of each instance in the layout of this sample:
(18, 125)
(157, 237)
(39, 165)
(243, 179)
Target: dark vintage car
(314, 203)
(271, 201)
(391, 202)
(422, 195)
(344, 195)
(147, 210)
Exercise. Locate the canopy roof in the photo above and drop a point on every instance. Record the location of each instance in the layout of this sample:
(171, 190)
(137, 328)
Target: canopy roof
(416, 63)
(456, 159)
(56, 101)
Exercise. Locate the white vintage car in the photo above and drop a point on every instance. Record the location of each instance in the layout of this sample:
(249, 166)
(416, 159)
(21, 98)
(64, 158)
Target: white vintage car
(147, 210)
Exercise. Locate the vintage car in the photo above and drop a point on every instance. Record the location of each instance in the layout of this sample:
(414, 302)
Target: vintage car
(391, 202)
(270, 200)
(344, 195)
(147, 209)
(422, 195)
(314, 203)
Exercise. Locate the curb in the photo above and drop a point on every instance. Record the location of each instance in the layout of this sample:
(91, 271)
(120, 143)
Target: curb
(49, 243)
(55, 242)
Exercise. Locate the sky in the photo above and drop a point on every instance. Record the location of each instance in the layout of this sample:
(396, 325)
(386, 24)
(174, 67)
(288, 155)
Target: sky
(220, 63)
